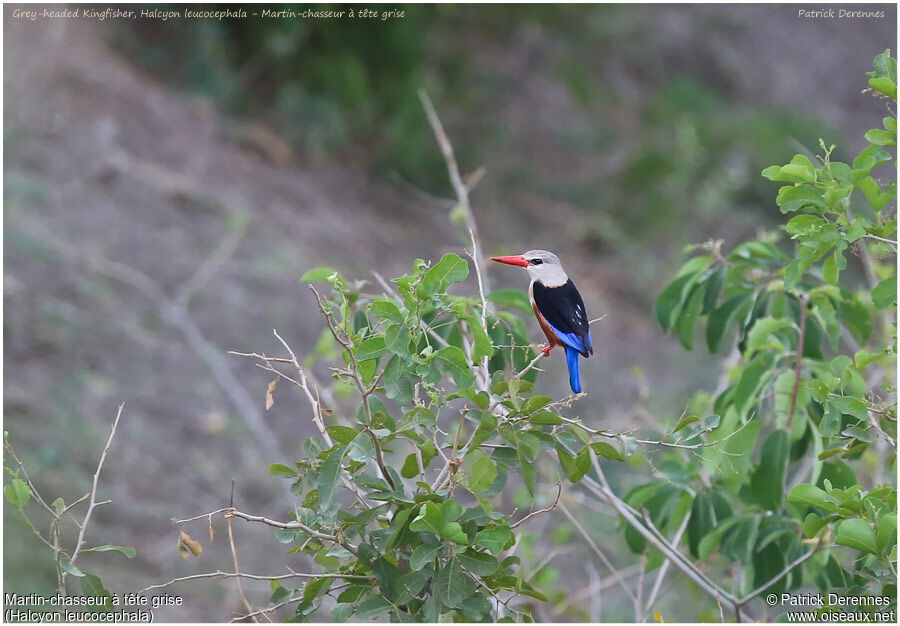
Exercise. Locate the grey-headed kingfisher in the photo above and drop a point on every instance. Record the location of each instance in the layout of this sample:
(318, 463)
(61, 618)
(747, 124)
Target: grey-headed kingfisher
(558, 307)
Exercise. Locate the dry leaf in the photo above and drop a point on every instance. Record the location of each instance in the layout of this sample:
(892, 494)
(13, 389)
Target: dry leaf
(657, 616)
(270, 393)
(212, 533)
(187, 546)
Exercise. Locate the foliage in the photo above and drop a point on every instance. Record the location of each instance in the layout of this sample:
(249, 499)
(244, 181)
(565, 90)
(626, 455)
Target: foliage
(756, 484)
(812, 390)
(424, 533)
(22, 495)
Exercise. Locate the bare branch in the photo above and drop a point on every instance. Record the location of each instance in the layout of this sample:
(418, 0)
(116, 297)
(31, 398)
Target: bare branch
(597, 551)
(364, 391)
(663, 570)
(890, 242)
(92, 503)
(787, 570)
(221, 574)
(545, 510)
(649, 531)
(234, 556)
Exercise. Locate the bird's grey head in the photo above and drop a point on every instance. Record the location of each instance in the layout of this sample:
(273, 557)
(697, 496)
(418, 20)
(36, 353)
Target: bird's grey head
(545, 267)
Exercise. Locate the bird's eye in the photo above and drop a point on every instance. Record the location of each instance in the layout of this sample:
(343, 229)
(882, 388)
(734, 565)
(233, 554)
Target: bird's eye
(536, 261)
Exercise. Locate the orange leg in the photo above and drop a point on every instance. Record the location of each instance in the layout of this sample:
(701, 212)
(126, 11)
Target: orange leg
(547, 350)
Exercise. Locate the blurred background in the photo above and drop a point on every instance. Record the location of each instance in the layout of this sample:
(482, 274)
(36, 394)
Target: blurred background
(166, 183)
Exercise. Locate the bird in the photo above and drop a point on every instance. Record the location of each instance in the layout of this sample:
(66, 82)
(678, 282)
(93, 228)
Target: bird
(558, 307)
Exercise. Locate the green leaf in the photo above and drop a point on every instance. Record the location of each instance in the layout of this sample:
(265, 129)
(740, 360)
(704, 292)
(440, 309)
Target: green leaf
(528, 445)
(454, 362)
(713, 289)
(424, 555)
(739, 540)
(450, 584)
(749, 385)
(93, 587)
(605, 450)
(18, 493)
(813, 524)
(869, 159)
(362, 448)
(875, 196)
(804, 224)
(341, 434)
(281, 470)
(482, 346)
(885, 293)
(340, 613)
(685, 421)
(857, 533)
(880, 137)
(318, 275)
(450, 269)
(483, 474)
(545, 418)
(396, 339)
(128, 551)
(767, 482)
(397, 384)
(670, 300)
(813, 496)
(478, 563)
(886, 535)
(71, 569)
(373, 607)
(702, 520)
(762, 330)
(493, 538)
(428, 519)
(386, 311)
(329, 475)
(722, 318)
(529, 472)
(885, 86)
(535, 403)
(830, 270)
(687, 317)
(371, 348)
(454, 532)
(802, 197)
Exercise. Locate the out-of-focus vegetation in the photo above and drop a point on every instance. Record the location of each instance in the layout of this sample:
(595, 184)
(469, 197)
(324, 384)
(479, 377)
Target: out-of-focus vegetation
(344, 89)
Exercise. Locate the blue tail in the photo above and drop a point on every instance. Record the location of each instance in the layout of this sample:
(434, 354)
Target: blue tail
(574, 373)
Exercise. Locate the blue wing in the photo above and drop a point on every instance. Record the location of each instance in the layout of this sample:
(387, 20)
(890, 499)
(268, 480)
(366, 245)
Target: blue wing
(563, 309)
(582, 344)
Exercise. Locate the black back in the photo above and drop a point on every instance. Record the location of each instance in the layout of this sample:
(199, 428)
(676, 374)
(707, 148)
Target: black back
(563, 307)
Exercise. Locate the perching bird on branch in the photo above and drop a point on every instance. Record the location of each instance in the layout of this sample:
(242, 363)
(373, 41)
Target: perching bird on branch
(558, 307)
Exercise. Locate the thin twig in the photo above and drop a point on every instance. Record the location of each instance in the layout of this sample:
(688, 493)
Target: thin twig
(545, 510)
(663, 570)
(787, 570)
(221, 574)
(364, 391)
(92, 504)
(234, 556)
(890, 242)
(597, 551)
(647, 529)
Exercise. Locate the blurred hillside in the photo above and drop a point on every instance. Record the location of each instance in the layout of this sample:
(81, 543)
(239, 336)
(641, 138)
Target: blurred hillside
(166, 184)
